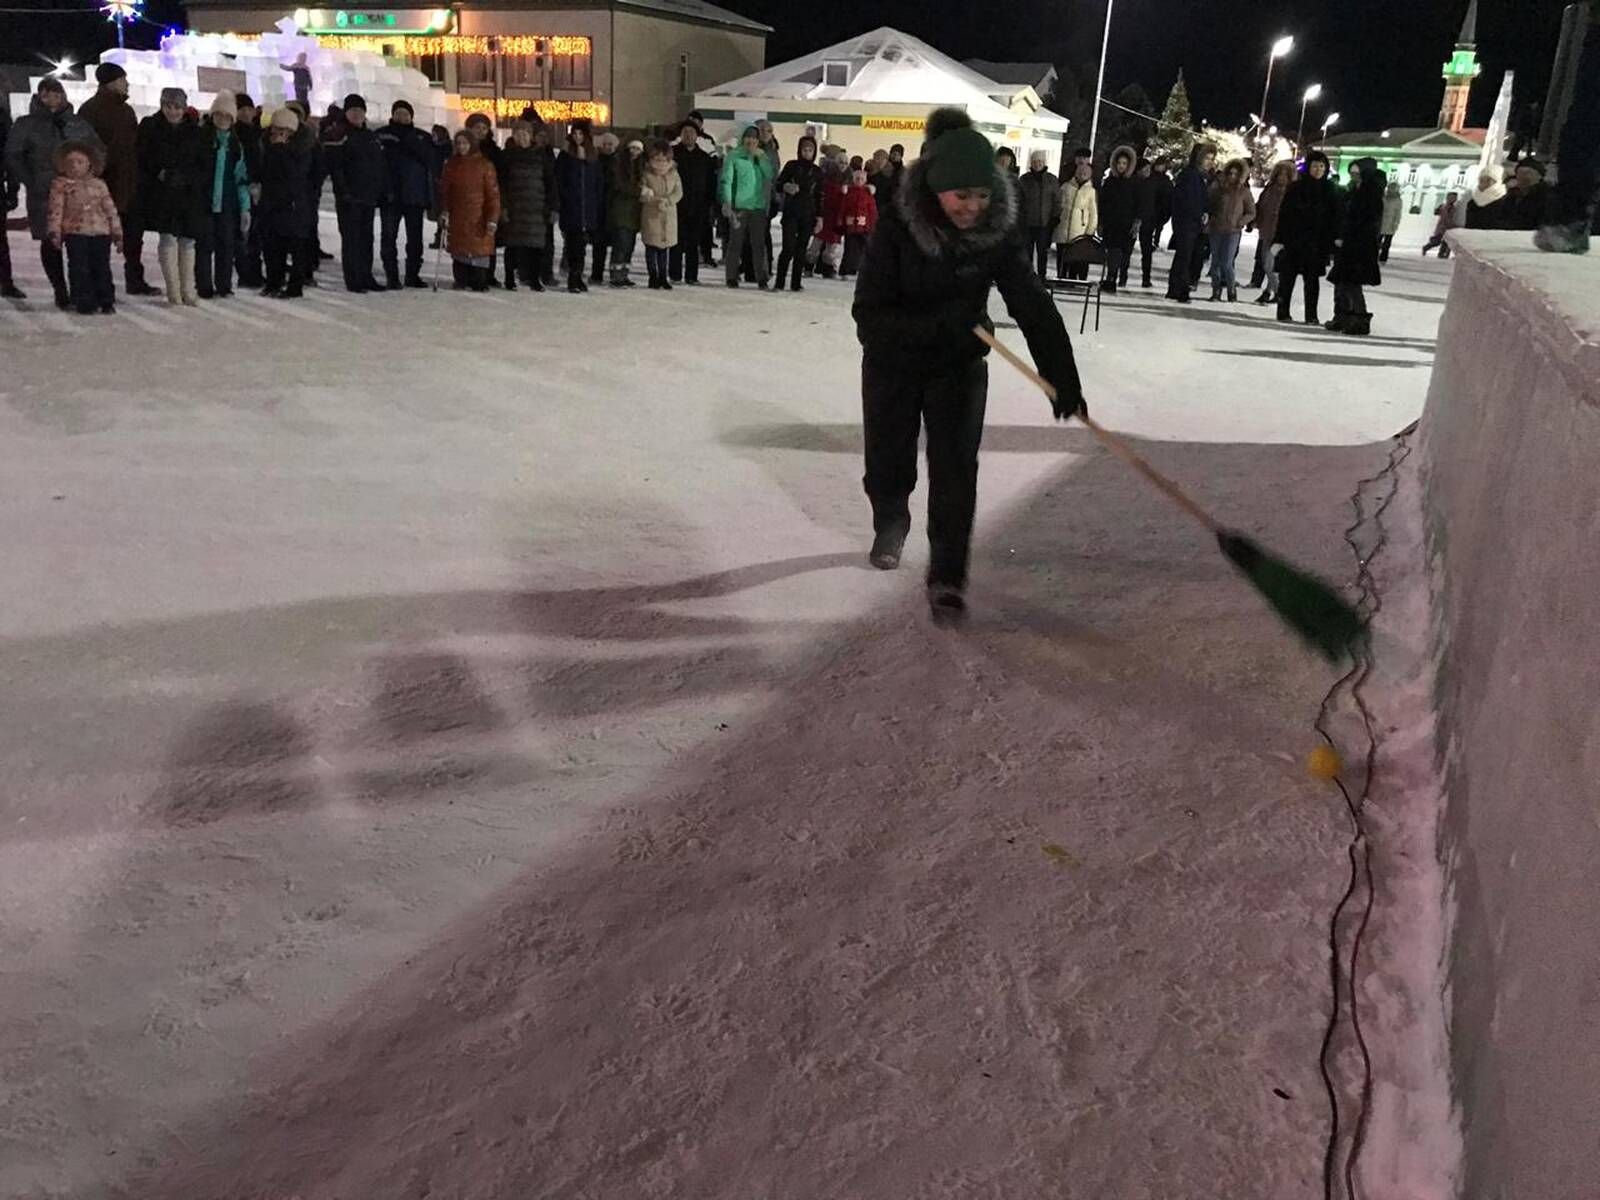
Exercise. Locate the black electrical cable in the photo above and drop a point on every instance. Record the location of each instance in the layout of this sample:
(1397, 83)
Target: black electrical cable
(1343, 976)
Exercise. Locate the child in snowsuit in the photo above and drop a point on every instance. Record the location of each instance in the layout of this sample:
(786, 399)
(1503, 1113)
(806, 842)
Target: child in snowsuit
(83, 217)
(858, 217)
(660, 192)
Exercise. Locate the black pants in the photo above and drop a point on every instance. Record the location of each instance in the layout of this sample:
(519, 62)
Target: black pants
(574, 245)
(602, 244)
(1149, 239)
(1579, 156)
(1185, 250)
(526, 263)
(655, 264)
(278, 253)
(796, 237)
(1118, 253)
(247, 255)
(213, 255)
(394, 215)
(6, 278)
(1039, 240)
(1286, 279)
(684, 260)
(55, 270)
(89, 267)
(355, 243)
(708, 239)
(895, 405)
(855, 249)
(1349, 300)
(132, 252)
(1385, 242)
(1202, 255)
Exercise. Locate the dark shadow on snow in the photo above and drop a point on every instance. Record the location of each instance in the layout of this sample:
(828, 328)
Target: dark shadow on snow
(1327, 360)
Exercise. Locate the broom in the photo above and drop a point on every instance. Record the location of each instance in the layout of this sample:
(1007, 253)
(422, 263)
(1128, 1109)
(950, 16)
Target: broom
(1327, 622)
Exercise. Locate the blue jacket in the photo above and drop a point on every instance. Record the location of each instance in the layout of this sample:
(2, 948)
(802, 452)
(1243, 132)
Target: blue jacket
(582, 190)
(1190, 198)
(409, 158)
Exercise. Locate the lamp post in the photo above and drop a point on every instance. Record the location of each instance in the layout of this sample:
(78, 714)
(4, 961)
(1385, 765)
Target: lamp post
(1279, 48)
(1333, 119)
(1100, 83)
(1312, 93)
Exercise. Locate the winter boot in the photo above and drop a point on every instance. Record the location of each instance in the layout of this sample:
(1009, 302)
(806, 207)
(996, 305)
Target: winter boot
(458, 276)
(1216, 292)
(1572, 238)
(481, 279)
(10, 291)
(1338, 324)
(1233, 294)
(186, 256)
(1358, 326)
(535, 284)
(415, 281)
(887, 546)
(947, 605)
(575, 285)
(1266, 297)
(167, 256)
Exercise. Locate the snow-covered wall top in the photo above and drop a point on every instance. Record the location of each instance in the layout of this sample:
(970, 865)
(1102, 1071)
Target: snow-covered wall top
(334, 75)
(1511, 443)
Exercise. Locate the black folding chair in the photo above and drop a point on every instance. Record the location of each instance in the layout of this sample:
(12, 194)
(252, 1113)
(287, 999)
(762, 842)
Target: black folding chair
(1085, 251)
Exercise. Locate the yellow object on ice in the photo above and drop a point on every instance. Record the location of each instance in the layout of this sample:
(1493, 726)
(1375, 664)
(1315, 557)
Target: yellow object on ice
(1323, 762)
(1059, 853)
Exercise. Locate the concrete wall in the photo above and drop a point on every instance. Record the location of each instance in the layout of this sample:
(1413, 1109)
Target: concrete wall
(1512, 479)
(647, 52)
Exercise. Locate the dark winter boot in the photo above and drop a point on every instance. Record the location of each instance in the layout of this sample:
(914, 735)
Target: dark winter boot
(887, 546)
(535, 284)
(1358, 326)
(1338, 324)
(458, 276)
(11, 292)
(1233, 294)
(481, 279)
(575, 285)
(1216, 292)
(946, 604)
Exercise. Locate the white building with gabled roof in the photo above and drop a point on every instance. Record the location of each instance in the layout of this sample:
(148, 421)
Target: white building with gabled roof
(869, 92)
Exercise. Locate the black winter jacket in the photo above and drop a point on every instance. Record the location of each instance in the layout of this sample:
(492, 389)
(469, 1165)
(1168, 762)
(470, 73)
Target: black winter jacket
(527, 194)
(358, 167)
(1153, 199)
(1119, 209)
(1307, 224)
(408, 158)
(698, 170)
(802, 208)
(1038, 200)
(288, 206)
(924, 285)
(175, 169)
(1355, 260)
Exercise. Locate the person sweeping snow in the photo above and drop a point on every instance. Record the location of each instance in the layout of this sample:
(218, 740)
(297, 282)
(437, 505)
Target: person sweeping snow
(948, 236)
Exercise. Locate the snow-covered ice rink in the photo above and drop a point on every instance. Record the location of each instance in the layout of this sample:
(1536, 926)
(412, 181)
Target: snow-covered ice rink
(453, 746)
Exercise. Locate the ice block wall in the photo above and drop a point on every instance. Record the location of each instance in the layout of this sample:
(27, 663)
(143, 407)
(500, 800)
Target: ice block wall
(1511, 442)
(334, 75)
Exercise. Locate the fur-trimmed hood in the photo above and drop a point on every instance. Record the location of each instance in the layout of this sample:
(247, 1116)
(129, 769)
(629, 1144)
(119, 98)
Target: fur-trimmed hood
(918, 207)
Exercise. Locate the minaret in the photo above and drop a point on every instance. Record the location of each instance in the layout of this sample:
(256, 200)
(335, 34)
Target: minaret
(1459, 73)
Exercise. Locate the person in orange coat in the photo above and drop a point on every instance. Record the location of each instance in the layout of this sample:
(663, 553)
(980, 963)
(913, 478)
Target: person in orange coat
(858, 217)
(469, 201)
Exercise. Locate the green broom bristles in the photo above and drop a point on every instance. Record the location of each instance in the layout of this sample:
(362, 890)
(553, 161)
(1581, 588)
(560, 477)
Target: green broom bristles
(1328, 622)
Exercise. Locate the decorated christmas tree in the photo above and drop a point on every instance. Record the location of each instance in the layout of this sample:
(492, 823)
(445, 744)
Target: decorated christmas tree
(1175, 135)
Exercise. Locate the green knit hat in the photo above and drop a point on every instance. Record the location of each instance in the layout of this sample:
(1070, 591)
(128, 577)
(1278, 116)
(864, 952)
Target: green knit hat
(958, 155)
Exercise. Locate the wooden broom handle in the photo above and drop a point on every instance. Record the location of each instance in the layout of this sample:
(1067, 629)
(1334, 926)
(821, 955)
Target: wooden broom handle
(1109, 440)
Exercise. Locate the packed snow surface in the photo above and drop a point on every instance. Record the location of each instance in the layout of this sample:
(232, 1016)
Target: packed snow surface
(453, 746)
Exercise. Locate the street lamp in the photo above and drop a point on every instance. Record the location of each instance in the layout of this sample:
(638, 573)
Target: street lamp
(1333, 119)
(1100, 83)
(1279, 48)
(1312, 93)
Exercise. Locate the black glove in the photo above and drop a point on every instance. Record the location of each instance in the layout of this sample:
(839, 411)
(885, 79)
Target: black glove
(1065, 406)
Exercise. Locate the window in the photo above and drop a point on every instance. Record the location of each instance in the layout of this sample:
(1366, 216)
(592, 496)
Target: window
(836, 74)
(431, 65)
(474, 69)
(572, 72)
(683, 74)
(522, 70)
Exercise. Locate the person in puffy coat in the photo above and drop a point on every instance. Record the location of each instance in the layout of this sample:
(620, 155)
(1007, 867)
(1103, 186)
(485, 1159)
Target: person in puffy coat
(117, 126)
(1039, 198)
(858, 217)
(1307, 223)
(527, 178)
(581, 188)
(1394, 209)
(286, 213)
(1119, 210)
(1080, 217)
(174, 191)
(746, 192)
(83, 219)
(1154, 192)
(31, 162)
(1268, 206)
(947, 238)
(469, 194)
(409, 167)
(698, 173)
(1190, 193)
(660, 194)
(1230, 207)
(1355, 255)
(227, 199)
(622, 209)
(826, 248)
(800, 185)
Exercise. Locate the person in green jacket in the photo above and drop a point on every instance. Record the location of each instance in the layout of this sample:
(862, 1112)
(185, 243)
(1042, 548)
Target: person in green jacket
(747, 179)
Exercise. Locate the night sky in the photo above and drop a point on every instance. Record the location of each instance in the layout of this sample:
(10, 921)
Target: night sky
(1378, 60)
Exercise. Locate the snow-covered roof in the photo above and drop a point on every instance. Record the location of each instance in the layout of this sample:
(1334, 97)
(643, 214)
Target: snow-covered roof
(1420, 137)
(887, 67)
(1040, 76)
